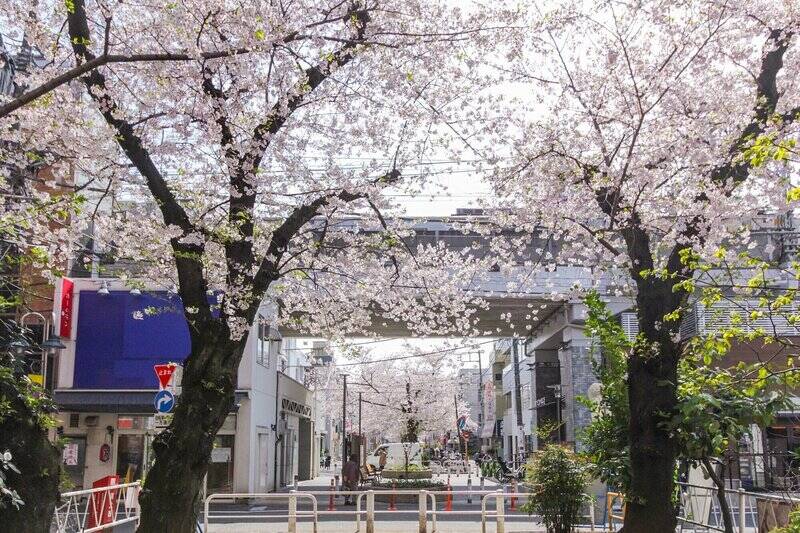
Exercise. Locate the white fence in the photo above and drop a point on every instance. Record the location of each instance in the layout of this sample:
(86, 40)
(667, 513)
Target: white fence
(700, 508)
(85, 511)
(369, 515)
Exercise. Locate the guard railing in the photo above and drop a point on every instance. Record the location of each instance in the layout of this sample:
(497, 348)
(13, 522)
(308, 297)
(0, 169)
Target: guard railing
(86, 511)
(367, 514)
(700, 508)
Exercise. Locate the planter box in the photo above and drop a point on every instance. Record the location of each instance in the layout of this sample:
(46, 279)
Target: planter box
(402, 474)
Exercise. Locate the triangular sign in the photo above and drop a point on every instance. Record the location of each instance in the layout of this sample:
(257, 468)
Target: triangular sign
(164, 374)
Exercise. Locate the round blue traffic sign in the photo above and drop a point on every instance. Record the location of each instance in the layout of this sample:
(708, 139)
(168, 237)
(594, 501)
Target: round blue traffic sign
(164, 401)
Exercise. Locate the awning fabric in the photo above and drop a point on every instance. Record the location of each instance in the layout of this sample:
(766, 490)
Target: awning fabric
(123, 402)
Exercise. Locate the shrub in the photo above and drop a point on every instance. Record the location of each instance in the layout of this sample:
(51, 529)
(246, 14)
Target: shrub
(557, 478)
(412, 484)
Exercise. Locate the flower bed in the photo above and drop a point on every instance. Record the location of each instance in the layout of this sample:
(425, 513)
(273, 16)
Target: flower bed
(411, 473)
(406, 484)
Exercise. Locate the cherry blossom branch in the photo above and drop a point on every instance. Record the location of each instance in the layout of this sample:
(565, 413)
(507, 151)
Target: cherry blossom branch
(188, 255)
(106, 59)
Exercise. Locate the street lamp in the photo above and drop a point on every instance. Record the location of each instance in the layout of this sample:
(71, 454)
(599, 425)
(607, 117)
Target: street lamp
(557, 395)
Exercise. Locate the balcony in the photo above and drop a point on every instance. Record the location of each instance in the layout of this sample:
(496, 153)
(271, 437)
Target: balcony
(702, 320)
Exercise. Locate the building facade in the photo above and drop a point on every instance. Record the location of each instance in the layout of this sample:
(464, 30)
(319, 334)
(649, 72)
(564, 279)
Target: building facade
(105, 387)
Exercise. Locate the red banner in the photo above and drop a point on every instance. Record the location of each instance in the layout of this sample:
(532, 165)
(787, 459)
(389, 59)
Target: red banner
(65, 320)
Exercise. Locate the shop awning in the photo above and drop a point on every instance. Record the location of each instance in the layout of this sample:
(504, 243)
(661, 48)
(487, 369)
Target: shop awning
(123, 401)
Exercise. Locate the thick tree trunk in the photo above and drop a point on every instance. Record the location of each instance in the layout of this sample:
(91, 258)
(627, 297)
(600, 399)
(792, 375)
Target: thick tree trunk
(38, 461)
(171, 494)
(652, 379)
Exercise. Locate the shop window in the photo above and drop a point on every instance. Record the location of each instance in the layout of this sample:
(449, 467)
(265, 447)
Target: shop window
(220, 471)
(130, 457)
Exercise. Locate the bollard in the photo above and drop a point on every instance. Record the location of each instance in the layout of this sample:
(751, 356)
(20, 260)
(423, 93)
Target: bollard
(330, 500)
(742, 515)
(469, 489)
(482, 483)
(423, 511)
(448, 479)
(391, 498)
(295, 483)
(513, 498)
(449, 505)
(370, 511)
(501, 513)
(292, 528)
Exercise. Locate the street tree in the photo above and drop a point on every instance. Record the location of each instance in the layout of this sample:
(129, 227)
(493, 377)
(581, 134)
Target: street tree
(405, 396)
(246, 168)
(638, 133)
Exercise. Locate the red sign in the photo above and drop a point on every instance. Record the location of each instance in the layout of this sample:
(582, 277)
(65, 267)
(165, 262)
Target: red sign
(65, 320)
(103, 504)
(164, 374)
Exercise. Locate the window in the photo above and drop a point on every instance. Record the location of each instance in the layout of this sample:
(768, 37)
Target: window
(262, 345)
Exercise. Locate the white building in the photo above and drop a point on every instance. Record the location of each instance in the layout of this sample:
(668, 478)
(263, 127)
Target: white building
(105, 386)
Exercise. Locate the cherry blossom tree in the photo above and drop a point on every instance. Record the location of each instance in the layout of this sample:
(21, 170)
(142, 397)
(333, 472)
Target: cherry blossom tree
(639, 132)
(227, 164)
(405, 396)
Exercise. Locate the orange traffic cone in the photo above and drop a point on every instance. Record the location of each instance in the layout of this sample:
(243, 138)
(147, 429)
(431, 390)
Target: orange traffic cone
(391, 498)
(449, 504)
(513, 498)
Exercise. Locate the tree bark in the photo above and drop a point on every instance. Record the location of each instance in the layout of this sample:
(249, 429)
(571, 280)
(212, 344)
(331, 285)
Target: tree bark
(38, 461)
(652, 379)
(171, 494)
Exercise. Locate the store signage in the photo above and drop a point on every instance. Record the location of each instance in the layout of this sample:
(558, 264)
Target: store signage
(163, 420)
(70, 454)
(65, 313)
(164, 401)
(296, 407)
(164, 374)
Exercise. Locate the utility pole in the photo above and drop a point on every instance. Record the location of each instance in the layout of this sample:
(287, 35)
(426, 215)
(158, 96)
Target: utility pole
(344, 421)
(458, 432)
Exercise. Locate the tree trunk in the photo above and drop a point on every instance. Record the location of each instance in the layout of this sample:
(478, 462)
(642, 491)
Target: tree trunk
(719, 481)
(38, 461)
(171, 494)
(652, 379)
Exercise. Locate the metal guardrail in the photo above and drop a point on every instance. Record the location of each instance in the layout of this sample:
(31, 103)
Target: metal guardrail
(699, 507)
(422, 510)
(86, 511)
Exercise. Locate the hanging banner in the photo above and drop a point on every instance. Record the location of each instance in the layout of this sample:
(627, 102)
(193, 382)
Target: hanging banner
(65, 309)
(488, 410)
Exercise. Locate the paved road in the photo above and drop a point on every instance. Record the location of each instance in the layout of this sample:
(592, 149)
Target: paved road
(269, 516)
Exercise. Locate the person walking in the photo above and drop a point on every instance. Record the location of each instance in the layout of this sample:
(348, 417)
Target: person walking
(382, 459)
(351, 475)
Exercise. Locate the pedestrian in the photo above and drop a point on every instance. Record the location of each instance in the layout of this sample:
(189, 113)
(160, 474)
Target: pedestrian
(327, 460)
(351, 475)
(382, 459)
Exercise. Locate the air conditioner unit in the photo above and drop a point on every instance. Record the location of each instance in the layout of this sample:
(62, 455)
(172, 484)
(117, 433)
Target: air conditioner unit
(91, 421)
